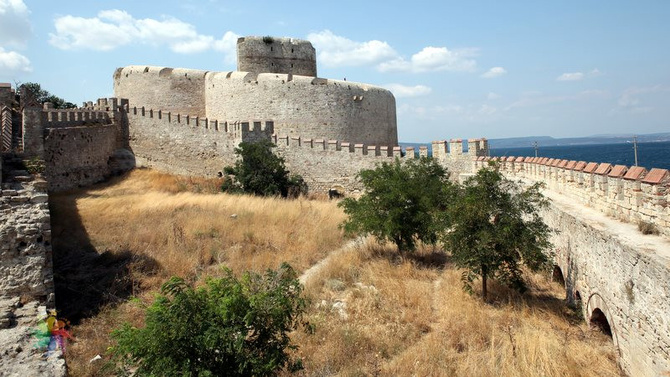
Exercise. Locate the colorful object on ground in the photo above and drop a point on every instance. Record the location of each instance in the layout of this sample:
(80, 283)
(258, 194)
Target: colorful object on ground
(51, 334)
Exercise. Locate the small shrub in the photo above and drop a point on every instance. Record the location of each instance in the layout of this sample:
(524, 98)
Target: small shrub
(647, 228)
(34, 165)
(229, 327)
(261, 172)
(268, 39)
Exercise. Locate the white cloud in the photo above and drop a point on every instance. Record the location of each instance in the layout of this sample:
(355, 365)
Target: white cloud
(492, 96)
(115, 28)
(404, 91)
(12, 63)
(630, 101)
(433, 59)
(335, 50)
(574, 76)
(15, 26)
(228, 45)
(494, 72)
(578, 76)
(595, 73)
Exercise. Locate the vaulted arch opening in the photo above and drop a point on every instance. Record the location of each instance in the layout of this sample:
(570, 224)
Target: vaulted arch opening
(557, 276)
(599, 320)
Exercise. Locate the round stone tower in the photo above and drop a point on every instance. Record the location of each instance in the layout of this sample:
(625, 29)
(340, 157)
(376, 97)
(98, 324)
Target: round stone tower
(276, 55)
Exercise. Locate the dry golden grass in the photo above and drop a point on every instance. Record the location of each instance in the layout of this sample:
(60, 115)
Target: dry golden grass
(411, 318)
(128, 237)
(374, 314)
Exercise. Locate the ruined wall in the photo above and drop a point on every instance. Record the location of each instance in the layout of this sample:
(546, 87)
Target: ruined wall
(78, 156)
(177, 90)
(276, 55)
(621, 272)
(186, 145)
(79, 147)
(26, 287)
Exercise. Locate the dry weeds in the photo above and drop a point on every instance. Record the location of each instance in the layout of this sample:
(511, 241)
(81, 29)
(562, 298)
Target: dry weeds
(374, 314)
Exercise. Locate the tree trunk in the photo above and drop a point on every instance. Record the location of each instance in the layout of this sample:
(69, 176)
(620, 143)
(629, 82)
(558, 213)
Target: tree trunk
(484, 290)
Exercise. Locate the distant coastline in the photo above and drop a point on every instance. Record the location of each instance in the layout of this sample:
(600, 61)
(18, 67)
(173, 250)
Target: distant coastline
(548, 141)
(653, 149)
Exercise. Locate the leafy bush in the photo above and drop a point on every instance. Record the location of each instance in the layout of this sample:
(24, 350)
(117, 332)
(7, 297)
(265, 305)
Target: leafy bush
(229, 327)
(268, 39)
(402, 202)
(261, 172)
(497, 228)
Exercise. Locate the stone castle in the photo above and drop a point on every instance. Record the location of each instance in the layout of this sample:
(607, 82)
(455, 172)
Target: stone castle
(188, 122)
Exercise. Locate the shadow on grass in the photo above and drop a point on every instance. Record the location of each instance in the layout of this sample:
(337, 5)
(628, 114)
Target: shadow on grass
(425, 257)
(87, 279)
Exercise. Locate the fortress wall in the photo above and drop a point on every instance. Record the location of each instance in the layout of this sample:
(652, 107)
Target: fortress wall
(305, 106)
(187, 145)
(78, 156)
(177, 90)
(628, 194)
(331, 164)
(606, 260)
(621, 272)
(276, 55)
(326, 164)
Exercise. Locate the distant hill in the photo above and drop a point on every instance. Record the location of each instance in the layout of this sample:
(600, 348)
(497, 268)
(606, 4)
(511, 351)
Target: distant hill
(547, 141)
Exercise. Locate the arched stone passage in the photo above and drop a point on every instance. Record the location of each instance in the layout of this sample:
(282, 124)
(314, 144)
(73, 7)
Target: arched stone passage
(599, 320)
(557, 275)
(599, 316)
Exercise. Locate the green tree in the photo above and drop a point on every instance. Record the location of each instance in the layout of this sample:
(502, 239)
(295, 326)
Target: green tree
(401, 203)
(496, 228)
(229, 327)
(33, 93)
(261, 172)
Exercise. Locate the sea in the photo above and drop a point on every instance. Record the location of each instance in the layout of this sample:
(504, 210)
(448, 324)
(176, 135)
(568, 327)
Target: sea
(649, 155)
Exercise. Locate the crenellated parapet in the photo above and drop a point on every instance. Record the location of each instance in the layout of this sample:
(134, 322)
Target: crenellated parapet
(631, 194)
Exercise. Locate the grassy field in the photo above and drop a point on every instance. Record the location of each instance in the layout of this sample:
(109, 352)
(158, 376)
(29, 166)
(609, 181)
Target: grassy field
(375, 315)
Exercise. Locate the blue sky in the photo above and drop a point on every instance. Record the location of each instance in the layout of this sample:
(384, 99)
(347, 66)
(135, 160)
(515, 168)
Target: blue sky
(458, 69)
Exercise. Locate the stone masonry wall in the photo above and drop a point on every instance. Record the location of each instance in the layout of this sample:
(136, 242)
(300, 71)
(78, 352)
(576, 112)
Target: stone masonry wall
(299, 105)
(276, 55)
(177, 90)
(305, 106)
(605, 260)
(628, 194)
(78, 156)
(26, 287)
(186, 145)
(621, 272)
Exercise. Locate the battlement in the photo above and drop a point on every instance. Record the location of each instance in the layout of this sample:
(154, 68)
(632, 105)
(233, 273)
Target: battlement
(631, 194)
(252, 129)
(299, 105)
